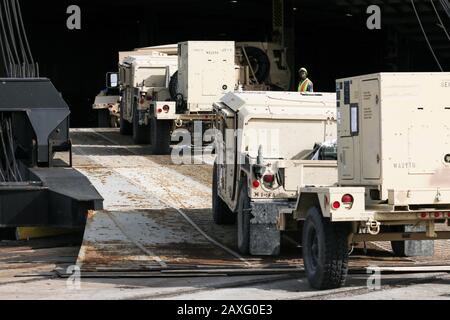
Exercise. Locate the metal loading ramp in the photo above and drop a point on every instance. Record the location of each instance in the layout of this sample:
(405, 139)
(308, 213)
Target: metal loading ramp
(157, 220)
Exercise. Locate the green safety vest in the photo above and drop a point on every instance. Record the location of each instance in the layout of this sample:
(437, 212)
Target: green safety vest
(304, 86)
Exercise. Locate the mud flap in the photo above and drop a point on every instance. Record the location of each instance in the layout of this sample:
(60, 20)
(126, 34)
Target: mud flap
(265, 238)
(424, 248)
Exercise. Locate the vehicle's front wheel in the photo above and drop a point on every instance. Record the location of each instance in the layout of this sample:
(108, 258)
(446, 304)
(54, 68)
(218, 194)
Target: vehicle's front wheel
(103, 118)
(222, 215)
(325, 251)
(244, 215)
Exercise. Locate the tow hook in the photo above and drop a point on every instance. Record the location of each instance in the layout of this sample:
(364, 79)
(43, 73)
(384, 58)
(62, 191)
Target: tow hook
(373, 227)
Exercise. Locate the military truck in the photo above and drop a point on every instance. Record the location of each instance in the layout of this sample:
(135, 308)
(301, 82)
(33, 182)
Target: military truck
(143, 78)
(107, 102)
(268, 144)
(206, 71)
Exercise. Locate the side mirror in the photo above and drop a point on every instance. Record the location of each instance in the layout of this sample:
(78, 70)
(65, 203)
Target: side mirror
(112, 80)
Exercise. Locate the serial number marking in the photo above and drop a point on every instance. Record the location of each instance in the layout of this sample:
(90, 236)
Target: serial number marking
(405, 165)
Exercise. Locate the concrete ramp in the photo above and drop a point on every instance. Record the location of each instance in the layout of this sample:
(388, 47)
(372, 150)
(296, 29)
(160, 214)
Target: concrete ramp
(157, 219)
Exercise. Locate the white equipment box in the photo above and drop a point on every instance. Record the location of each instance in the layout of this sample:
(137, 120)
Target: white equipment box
(394, 135)
(206, 72)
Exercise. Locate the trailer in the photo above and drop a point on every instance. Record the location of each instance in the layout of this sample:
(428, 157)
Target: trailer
(394, 174)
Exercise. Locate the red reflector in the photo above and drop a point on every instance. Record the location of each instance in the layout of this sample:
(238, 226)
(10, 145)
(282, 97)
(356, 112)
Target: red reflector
(437, 214)
(256, 184)
(166, 108)
(159, 110)
(269, 178)
(336, 205)
(424, 215)
(448, 214)
(348, 198)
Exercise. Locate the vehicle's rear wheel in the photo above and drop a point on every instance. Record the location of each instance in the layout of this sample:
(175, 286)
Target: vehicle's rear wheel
(325, 251)
(412, 248)
(160, 136)
(141, 133)
(126, 128)
(244, 215)
(222, 215)
(103, 118)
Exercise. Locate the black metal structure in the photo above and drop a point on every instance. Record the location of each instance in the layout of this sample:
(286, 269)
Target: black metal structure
(34, 191)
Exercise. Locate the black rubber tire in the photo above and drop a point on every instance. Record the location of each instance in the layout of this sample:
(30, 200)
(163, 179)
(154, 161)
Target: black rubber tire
(243, 220)
(398, 247)
(103, 118)
(173, 86)
(262, 60)
(325, 251)
(126, 128)
(160, 136)
(222, 215)
(141, 134)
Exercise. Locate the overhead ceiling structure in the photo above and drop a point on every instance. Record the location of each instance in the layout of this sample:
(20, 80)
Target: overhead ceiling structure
(330, 37)
(422, 21)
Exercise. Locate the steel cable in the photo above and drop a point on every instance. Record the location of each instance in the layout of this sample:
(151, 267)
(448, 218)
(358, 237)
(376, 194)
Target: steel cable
(11, 33)
(440, 19)
(446, 5)
(27, 44)
(19, 36)
(425, 35)
(16, 52)
(9, 63)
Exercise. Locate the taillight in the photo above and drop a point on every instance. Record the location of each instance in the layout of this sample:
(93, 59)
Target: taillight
(166, 108)
(142, 101)
(256, 184)
(269, 178)
(437, 214)
(336, 205)
(347, 199)
(424, 215)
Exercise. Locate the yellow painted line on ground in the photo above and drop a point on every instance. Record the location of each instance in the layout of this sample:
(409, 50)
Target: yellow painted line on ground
(26, 233)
